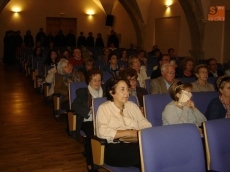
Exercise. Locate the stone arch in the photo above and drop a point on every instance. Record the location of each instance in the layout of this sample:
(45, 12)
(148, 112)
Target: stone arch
(193, 12)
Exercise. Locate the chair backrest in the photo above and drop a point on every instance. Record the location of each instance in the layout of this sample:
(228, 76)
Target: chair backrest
(106, 76)
(147, 84)
(73, 86)
(202, 99)
(187, 80)
(212, 80)
(98, 101)
(171, 148)
(154, 104)
(217, 139)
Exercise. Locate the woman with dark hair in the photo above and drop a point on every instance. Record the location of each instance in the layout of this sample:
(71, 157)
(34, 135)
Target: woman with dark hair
(123, 61)
(181, 109)
(113, 67)
(82, 106)
(220, 107)
(119, 118)
(37, 52)
(187, 67)
(52, 58)
(131, 75)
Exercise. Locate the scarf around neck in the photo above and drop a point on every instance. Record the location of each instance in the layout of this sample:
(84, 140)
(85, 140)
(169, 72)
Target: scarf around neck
(95, 93)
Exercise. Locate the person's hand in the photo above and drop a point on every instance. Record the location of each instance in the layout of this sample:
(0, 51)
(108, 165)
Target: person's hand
(190, 104)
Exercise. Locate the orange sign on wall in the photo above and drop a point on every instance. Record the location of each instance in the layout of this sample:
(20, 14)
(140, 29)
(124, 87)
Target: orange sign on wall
(216, 13)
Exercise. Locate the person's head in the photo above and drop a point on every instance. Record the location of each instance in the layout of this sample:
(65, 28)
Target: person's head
(53, 55)
(130, 75)
(41, 29)
(77, 53)
(171, 52)
(176, 88)
(141, 53)
(81, 33)
(90, 34)
(88, 64)
(112, 59)
(134, 62)
(99, 35)
(117, 90)
(64, 67)
(37, 51)
(106, 52)
(168, 72)
(66, 53)
(124, 53)
(223, 85)
(163, 59)
(188, 64)
(212, 64)
(201, 72)
(94, 78)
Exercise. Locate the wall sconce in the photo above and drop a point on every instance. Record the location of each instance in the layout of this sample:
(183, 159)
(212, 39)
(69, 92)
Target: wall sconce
(90, 13)
(168, 3)
(16, 9)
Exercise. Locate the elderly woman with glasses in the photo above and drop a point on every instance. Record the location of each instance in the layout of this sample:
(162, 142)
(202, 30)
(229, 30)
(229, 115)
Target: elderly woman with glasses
(182, 109)
(220, 107)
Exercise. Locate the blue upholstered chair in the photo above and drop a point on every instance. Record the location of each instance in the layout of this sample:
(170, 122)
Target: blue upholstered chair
(98, 145)
(217, 139)
(147, 84)
(171, 148)
(72, 118)
(154, 104)
(106, 76)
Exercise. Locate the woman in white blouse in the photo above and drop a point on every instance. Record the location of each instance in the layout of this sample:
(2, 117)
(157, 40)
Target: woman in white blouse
(118, 118)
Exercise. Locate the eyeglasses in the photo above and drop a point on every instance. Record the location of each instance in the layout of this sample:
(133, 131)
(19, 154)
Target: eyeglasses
(132, 79)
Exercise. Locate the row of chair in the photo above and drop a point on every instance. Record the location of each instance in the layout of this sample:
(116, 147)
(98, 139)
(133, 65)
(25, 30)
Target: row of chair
(175, 147)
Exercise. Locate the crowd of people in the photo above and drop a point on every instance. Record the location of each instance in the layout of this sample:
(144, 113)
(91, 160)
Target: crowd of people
(119, 117)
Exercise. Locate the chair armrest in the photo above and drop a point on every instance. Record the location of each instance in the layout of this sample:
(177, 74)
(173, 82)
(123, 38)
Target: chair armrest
(72, 120)
(46, 87)
(98, 149)
(56, 101)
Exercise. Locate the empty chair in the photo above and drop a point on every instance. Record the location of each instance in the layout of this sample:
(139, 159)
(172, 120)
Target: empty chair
(217, 138)
(172, 148)
(154, 105)
(98, 144)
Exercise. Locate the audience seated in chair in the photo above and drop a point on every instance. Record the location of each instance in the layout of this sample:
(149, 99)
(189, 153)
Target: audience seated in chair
(161, 84)
(66, 74)
(181, 109)
(186, 68)
(131, 75)
(112, 67)
(82, 106)
(134, 62)
(52, 58)
(219, 107)
(213, 70)
(163, 59)
(77, 59)
(201, 84)
(119, 118)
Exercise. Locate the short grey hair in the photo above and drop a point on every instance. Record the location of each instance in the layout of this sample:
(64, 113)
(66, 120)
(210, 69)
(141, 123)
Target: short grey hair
(61, 64)
(167, 65)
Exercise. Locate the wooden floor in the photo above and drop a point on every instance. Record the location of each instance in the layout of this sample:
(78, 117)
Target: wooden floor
(30, 138)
